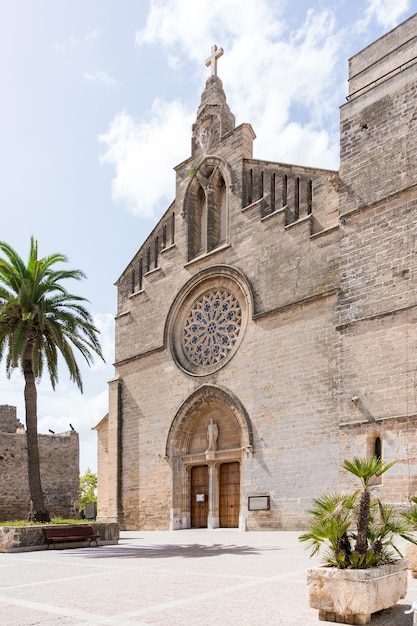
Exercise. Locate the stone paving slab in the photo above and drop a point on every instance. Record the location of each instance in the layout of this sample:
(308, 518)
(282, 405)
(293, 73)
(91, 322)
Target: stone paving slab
(183, 578)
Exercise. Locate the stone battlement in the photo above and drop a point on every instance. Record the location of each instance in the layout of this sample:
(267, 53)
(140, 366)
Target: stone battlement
(59, 457)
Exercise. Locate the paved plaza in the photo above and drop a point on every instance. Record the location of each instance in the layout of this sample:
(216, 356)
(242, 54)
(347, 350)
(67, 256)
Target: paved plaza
(183, 578)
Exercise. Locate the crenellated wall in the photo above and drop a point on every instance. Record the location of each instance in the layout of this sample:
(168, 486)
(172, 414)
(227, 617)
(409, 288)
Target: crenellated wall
(59, 461)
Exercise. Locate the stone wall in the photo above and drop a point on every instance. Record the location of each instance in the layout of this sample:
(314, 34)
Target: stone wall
(8, 420)
(59, 460)
(31, 538)
(378, 152)
(377, 256)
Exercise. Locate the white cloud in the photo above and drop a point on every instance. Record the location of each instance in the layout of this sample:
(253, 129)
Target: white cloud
(294, 72)
(385, 12)
(267, 71)
(92, 35)
(306, 146)
(100, 77)
(59, 47)
(105, 324)
(82, 411)
(75, 42)
(172, 22)
(144, 152)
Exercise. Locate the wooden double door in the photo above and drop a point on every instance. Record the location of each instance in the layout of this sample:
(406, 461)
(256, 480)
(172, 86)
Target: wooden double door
(227, 482)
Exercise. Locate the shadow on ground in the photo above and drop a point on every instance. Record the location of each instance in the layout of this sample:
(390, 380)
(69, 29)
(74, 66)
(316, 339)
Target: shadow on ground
(393, 617)
(166, 551)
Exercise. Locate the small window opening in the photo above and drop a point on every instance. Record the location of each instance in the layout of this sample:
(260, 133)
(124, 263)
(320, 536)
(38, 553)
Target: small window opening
(172, 229)
(201, 222)
(273, 191)
(223, 216)
(296, 198)
(378, 448)
(284, 190)
(250, 190)
(309, 197)
(148, 259)
(140, 277)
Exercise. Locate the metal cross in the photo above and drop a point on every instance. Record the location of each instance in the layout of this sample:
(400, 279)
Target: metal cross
(216, 53)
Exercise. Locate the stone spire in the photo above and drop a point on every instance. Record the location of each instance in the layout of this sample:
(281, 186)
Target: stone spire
(214, 118)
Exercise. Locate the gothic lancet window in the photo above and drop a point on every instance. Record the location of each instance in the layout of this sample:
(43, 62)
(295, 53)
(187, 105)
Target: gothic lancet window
(217, 217)
(201, 222)
(374, 446)
(223, 217)
(207, 212)
(378, 447)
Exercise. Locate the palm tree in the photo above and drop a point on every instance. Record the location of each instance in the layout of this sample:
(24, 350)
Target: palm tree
(39, 320)
(355, 531)
(365, 469)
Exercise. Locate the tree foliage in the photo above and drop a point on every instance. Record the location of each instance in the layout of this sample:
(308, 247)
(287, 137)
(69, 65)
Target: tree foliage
(40, 320)
(355, 530)
(88, 488)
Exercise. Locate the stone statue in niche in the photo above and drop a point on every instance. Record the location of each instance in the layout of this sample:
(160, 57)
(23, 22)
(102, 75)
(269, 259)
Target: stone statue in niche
(212, 435)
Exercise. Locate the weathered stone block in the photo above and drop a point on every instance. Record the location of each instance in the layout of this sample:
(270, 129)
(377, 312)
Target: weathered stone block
(356, 592)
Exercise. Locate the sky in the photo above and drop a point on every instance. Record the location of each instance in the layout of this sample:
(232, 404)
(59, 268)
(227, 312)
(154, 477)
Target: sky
(97, 102)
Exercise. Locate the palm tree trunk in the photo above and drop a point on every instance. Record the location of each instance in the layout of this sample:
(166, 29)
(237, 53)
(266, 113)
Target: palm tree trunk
(363, 522)
(38, 512)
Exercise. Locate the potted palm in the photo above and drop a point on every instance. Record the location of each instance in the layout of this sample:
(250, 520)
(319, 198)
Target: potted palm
(363, 570)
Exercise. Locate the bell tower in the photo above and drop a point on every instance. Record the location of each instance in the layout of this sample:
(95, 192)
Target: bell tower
(378, 123)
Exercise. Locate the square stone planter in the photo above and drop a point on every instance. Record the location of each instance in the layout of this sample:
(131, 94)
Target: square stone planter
(350, 596)
(411, 556)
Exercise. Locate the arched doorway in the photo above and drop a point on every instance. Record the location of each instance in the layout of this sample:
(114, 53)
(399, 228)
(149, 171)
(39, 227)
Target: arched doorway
(208, 445)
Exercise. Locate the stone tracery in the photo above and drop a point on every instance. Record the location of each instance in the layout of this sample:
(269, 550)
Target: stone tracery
(212, 327)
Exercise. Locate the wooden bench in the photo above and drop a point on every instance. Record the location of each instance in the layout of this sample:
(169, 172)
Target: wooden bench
(61, 534)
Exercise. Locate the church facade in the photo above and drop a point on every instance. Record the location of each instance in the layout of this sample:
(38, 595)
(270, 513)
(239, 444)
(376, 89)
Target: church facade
(266, 329)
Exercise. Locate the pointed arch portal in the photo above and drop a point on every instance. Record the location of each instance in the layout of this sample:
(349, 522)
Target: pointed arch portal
(208, 446)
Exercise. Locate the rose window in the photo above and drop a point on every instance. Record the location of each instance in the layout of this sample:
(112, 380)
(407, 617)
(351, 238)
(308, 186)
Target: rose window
(212, 327)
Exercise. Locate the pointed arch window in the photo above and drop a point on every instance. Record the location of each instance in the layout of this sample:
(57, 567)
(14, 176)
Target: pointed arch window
(207, 212)
(375, 444)
(378, 448)
(201, 223)
(223, 216)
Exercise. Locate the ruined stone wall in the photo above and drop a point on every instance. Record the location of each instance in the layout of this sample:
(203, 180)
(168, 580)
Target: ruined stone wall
(59, 461)
(8, 419)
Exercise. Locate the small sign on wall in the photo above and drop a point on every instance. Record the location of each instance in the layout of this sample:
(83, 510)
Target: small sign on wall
(258, 503)
(200, 497)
